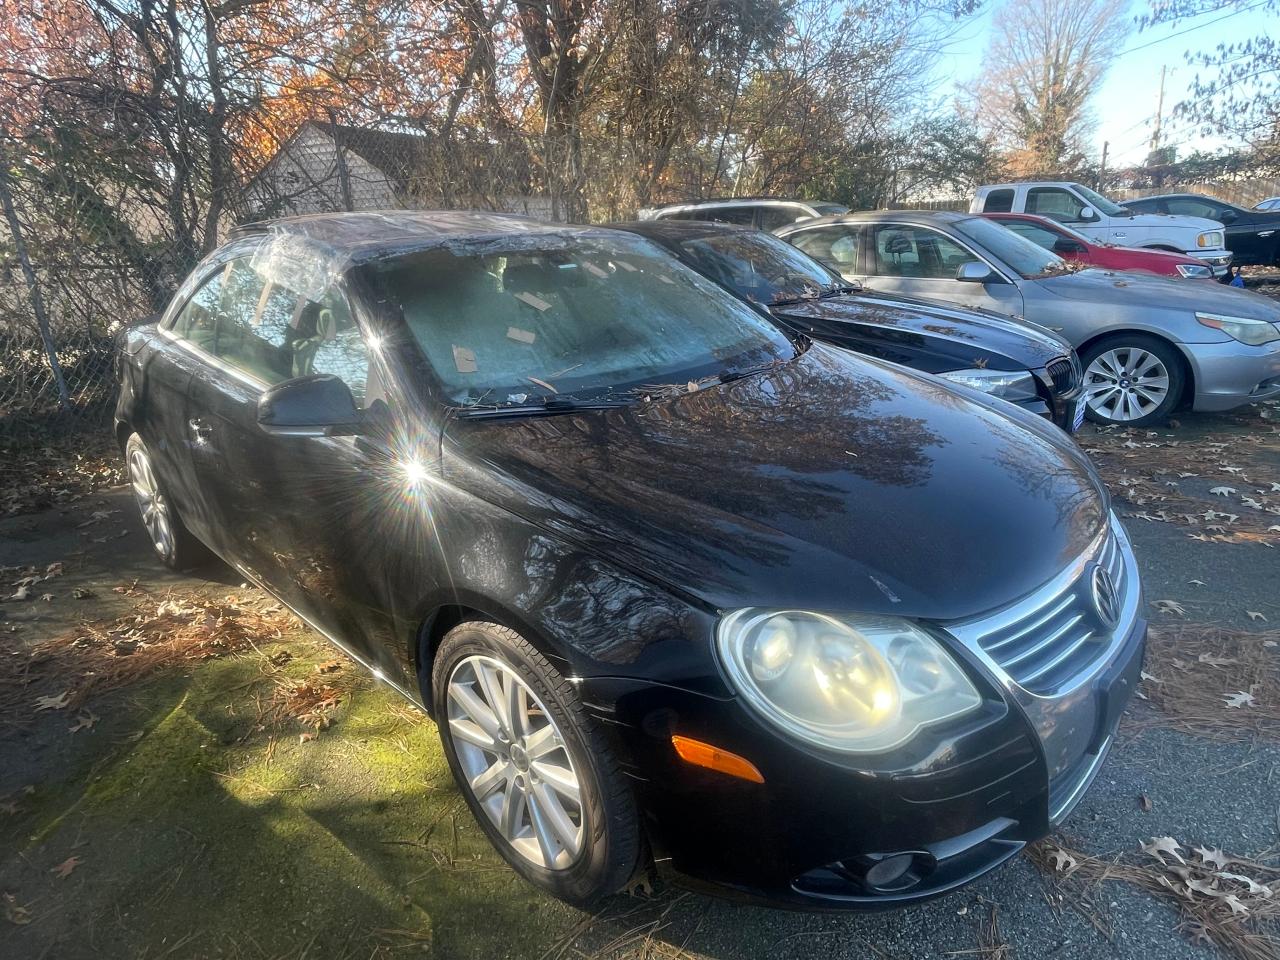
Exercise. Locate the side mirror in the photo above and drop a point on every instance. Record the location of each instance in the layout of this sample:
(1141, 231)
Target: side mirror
(318, 405)
(1088, 214)
(974, 271)
(1228, 216)
(1065, 246)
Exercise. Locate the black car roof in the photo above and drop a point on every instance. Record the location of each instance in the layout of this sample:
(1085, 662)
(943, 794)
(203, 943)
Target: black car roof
(369, 235)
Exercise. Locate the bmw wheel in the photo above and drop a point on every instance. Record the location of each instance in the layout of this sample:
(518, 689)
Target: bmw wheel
(539, 778)
(172, 542)
(1132, 380)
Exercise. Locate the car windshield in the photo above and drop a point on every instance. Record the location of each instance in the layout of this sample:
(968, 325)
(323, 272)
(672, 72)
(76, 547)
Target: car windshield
(1028, 259)
(760, 267)
(1100, 203)
(570, 318)
(827, 209)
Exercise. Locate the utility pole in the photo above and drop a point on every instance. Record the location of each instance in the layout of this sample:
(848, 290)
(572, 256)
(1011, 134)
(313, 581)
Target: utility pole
(1102, 167)
(1155, 136)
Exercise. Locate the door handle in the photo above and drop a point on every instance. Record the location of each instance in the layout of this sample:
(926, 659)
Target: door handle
(200, 430)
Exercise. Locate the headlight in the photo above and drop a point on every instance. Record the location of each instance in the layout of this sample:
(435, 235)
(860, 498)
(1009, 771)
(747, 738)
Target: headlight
(1211, 240)
(1253, 332)
(853, 684)
(1194, 271)
(1006, 384)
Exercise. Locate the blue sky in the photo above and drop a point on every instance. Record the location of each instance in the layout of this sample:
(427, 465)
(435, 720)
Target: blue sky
(1125, 106)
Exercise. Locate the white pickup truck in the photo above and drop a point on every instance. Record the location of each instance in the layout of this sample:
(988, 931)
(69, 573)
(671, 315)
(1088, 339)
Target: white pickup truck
(1105, 222)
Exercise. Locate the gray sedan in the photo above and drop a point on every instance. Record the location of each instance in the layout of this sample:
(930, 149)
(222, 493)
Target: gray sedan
(1147, 343)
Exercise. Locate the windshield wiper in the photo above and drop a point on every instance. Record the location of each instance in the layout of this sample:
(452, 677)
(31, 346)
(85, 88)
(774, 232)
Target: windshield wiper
(542, 405)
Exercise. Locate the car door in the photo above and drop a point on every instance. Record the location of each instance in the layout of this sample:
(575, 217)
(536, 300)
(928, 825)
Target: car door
(289, 508)
(1061, 204)
(918, 261)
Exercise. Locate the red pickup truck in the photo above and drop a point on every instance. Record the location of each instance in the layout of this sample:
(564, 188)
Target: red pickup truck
(1076, 247)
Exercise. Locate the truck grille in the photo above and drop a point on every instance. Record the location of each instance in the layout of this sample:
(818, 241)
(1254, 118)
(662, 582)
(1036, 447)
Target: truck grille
(1056, 639)
(1065, 375)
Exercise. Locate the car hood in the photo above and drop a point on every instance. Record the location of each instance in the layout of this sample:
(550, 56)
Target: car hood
(1137, 290)
(1166, 220)
(833, 482)
(988, 333)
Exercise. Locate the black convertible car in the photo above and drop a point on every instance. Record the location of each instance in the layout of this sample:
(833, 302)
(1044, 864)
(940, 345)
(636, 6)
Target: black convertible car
(1026, 365)
(678, 588)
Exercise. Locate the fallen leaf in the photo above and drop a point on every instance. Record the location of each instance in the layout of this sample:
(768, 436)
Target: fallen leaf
(22, 593)
(1162, 845)
(1254, 886)
(1212, 856)
(1213, 661)
(1223, 491)
(1236, 906)
(85, 721)
(1199, 934)
(1169, 606)
(53, 703)
(329, 666)
(63, 870)
(47, 597)
(1255, 615)
(1144, 803)
(1062, 860)
(1200, 582)
(1239, 700)
(307, 737)
(1146, 676)
(15, 912)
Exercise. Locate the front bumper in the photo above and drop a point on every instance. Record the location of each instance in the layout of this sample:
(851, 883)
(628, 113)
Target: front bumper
(1219, 259)
(1231, 374)
(959, 800)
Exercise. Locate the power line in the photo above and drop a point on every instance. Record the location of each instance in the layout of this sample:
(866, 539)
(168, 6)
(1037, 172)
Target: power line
(1198, 26)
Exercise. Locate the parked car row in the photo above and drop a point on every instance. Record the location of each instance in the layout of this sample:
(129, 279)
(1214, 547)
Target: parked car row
(683, 585)
(1146, 344)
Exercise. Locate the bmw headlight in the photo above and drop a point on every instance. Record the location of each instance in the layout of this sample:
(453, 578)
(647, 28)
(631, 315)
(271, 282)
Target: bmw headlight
(1253, 332)
(1194, 271)
(1210, 241)
(1005, 384)
(852, 684)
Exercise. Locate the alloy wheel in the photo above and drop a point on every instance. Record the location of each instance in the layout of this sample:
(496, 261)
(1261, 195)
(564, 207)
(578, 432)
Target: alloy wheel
(1126, 383)
(515, 762)
(151, 503)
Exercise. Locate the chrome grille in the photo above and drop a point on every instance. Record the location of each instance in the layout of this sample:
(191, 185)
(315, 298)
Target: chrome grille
(1064, 374)
(1062, 636)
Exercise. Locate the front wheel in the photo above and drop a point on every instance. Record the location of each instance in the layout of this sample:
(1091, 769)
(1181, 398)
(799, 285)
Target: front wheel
(1131, 380)
(540, 780)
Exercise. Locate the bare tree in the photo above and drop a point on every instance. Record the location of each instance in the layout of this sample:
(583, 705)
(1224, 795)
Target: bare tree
(1043, 66)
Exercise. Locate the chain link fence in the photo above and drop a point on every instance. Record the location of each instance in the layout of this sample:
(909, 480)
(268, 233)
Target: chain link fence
(91, 243)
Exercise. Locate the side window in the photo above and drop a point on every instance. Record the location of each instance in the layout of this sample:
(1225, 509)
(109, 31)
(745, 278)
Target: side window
(219, 320)
(1033, 232)
(917, 252)
(998, 201)
(835, 246)
(774, 216)
(1188, 207)
(742, 216)
(1055, 202)
(315, 335)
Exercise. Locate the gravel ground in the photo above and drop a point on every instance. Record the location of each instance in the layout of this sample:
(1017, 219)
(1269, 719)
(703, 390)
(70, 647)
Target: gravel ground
(1222, 792)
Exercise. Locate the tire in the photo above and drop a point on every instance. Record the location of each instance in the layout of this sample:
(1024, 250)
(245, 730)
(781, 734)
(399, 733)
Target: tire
(584, 851)
(1132, 380)
(173, 543)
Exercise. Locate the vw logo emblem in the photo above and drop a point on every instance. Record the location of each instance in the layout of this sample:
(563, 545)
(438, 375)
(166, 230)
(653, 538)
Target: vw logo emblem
(1106, 602)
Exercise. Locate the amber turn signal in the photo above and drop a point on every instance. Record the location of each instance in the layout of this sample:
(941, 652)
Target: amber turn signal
(713, 758)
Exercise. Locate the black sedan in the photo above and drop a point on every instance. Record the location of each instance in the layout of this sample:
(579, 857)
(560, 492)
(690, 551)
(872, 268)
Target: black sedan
(1253, 236)
(1026, 365)
(677, 588)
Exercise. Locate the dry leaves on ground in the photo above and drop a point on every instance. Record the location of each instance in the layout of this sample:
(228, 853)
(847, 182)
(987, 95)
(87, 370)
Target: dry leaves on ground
(160, 632)
(35, 478)
(1213, 681)
(1230, 902)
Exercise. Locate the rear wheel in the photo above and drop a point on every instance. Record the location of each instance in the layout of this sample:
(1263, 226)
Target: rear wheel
(172, 542)
(1132, 380)
(540, 780)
